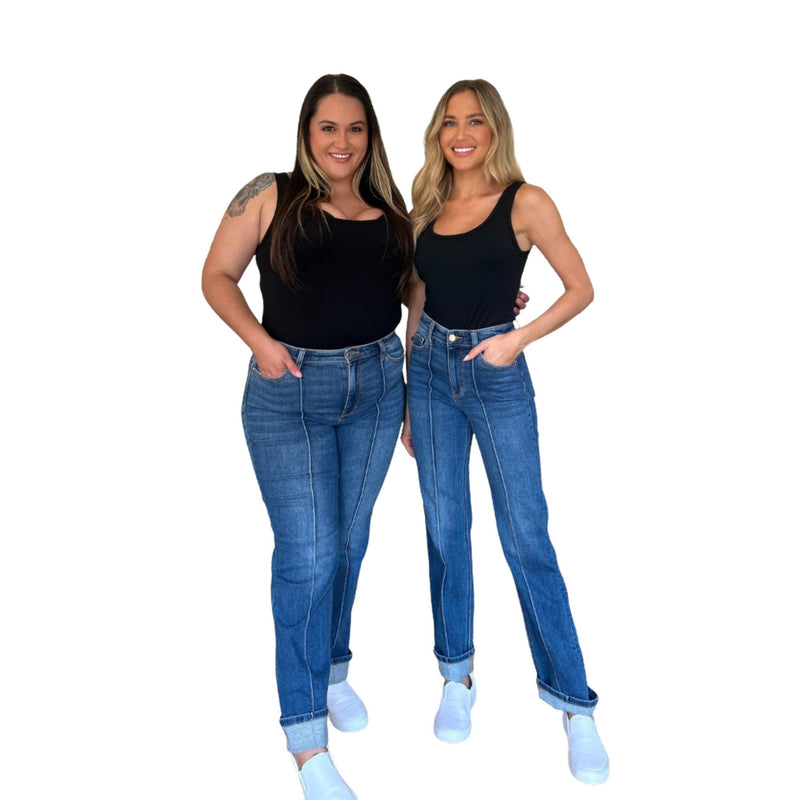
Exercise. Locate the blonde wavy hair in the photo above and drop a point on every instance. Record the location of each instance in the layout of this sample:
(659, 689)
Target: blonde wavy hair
(433, 183)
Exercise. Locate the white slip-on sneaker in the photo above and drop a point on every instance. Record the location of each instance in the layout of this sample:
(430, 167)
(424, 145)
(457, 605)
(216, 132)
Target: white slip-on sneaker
(345, 709)
(588, 760)
(321, 781)
(453, 723)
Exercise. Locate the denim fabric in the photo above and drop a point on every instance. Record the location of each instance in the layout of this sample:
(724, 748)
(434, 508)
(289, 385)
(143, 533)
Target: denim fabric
(449, 400)
(320, 446)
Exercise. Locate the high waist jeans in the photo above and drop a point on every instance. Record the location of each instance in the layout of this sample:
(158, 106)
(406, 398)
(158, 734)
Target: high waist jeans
(449, 400)
(320, 446)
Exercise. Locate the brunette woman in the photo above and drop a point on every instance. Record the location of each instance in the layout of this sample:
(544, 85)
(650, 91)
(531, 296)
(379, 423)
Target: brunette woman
(324, 396)
(475, 221)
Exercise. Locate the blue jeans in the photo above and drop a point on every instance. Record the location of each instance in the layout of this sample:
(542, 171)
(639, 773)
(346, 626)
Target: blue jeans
(320, 446)
(449, 400)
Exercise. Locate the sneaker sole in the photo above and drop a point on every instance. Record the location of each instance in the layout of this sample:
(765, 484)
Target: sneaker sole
(451, 736)
(589, 777)
(351, 726)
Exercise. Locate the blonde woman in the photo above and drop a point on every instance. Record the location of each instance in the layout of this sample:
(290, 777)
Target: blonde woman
(475, 221)
(324, 396)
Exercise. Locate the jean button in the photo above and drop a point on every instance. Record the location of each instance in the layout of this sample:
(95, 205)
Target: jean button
(452, 337)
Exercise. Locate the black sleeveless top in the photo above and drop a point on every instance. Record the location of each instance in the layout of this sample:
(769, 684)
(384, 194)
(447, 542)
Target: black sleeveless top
(472, 278)
(349, 272)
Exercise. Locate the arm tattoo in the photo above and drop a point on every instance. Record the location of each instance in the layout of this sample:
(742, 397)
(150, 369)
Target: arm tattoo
(247, 193)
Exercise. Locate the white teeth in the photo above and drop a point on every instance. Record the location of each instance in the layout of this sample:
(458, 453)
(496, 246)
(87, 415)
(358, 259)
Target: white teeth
(463, 149)
(340, 156)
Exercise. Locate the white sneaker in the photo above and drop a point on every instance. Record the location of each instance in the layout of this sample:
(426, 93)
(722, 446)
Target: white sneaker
(321, 781)
(452, 723)
(345, 708)
(588, 760)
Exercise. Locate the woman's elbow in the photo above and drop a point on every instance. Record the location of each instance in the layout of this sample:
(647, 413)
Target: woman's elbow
(205, 284)
(210, 283)
(582, 294)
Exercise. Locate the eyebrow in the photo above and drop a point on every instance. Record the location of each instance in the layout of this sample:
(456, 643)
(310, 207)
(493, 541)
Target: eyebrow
(331, 122)
(469, 116)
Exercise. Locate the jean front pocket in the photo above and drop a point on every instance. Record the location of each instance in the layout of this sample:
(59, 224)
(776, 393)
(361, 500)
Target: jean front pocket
(418, 340)
(255, 371)
(262, 393)
(497, 367)
(500, 382)
(394, 350)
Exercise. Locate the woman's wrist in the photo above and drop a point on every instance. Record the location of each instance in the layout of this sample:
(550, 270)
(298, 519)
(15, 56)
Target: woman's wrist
(522, 336)
(263, 343)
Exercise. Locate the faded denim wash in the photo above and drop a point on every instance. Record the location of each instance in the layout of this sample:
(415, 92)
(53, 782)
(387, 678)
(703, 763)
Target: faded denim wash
(449, 400)
(320, 446)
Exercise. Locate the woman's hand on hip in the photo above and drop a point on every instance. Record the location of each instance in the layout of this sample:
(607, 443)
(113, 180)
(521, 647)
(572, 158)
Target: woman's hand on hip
(501, 350)
(521, 302)
(273, 360)
(405, 436)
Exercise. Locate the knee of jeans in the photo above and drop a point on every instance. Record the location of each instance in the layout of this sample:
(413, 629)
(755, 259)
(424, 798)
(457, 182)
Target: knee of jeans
(303, 588)
(441, 550)
(355, 545)
(305, 566)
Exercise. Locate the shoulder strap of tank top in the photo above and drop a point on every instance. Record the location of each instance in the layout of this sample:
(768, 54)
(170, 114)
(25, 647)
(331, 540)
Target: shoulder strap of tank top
(507, 199)
(500, 217)
(282, 181)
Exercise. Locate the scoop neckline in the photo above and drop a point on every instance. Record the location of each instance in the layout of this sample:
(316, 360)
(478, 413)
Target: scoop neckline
(479, 225)
(341, 219)
(344, 219)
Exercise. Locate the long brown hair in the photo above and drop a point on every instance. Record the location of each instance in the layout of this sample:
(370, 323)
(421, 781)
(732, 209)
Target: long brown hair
(308, 186)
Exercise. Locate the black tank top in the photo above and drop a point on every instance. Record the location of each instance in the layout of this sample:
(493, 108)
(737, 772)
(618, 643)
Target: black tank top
(349, 272)
(472, 278)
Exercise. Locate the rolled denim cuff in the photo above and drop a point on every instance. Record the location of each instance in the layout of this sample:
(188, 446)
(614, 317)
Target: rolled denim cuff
(338, 672)
(457, 670)
(309, 735)
(564, 702)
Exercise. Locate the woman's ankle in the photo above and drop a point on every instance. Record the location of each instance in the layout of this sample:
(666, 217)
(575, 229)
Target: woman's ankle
(307, 755)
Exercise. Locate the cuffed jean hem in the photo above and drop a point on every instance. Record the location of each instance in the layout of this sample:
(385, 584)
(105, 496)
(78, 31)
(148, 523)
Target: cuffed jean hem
(565, 703)
(456, 670)
(339, 672)
(308, 735)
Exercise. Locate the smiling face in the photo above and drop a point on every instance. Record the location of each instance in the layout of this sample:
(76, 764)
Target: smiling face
(338, 137)
(465, 135)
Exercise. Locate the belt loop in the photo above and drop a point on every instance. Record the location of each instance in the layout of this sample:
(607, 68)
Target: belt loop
(301, 354)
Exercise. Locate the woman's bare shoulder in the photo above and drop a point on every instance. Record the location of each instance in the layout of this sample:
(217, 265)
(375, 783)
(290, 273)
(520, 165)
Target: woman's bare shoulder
(532, 204)
(532, 197)
(262, 189)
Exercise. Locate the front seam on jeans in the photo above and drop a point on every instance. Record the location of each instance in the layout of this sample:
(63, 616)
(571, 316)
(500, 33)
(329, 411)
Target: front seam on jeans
(511, 526)
(314, 559)
(467, 528)
(360, 498)
(436, 493)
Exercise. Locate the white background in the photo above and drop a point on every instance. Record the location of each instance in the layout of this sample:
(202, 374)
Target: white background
(136, 632)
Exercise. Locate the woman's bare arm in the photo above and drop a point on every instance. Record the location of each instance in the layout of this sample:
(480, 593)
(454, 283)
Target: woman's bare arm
(416, 302)
(536, 220)
(242, 228)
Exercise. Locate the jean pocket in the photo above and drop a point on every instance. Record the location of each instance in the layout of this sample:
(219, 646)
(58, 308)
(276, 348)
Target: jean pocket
(418, 340)
(497, 367)
(394, 350)
(257, 373)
